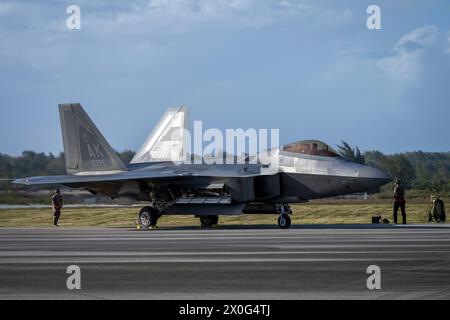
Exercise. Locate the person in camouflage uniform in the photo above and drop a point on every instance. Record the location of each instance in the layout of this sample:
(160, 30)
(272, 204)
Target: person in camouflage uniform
(57, 204)
(437, 211)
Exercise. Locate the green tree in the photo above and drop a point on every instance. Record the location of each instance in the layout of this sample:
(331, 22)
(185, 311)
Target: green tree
(399, 167)
(351, 154)
(56, 165)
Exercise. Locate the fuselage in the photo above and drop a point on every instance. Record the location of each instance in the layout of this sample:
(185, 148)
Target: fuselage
(298, 178)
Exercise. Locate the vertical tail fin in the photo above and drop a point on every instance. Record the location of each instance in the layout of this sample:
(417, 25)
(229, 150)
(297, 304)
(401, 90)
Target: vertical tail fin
(85, 148)
(166, 142)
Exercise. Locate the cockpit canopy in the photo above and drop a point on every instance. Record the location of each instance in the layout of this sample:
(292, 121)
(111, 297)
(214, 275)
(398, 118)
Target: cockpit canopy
(311, 147)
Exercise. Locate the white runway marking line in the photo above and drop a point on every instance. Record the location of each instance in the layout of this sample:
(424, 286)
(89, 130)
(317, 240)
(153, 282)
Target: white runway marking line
(215, 232)
(27, 254)
(4, 256)
(249, 237)
(201, 260)
(301, 246)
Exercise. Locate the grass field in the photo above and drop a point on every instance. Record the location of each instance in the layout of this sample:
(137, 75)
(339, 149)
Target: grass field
(310, 213)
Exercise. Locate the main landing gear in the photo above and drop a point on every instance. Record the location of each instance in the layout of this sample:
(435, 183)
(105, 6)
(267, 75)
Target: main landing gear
(284, 221)
(148, 218)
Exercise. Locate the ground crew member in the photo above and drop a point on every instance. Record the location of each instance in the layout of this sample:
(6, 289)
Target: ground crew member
(437, 211)
(57, 203)
(399, 200)
(435, 194)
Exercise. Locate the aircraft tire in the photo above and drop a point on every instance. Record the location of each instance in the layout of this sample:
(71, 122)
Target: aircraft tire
(284, 221)
(148, 217)
(209, 221)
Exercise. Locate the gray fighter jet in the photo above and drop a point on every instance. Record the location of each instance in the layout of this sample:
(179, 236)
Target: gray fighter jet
(306, 170)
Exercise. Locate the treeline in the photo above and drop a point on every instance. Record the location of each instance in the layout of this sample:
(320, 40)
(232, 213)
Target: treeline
(419, 170)
(31, 163)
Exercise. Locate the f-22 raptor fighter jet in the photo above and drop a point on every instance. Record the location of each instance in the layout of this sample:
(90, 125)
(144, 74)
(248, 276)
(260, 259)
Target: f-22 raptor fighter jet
(306, 170)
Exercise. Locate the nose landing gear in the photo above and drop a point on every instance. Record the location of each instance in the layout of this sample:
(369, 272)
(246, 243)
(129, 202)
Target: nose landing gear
(284, 221)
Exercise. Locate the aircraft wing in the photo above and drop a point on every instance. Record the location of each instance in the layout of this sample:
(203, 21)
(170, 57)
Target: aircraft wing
(169, 172)
(81, 179)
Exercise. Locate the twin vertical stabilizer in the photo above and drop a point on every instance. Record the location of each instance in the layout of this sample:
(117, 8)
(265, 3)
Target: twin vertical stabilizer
(166, 142)
(87, 151)
(85, 148)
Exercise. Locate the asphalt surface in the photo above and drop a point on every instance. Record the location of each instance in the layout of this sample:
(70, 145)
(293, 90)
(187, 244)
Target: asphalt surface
(304, 262)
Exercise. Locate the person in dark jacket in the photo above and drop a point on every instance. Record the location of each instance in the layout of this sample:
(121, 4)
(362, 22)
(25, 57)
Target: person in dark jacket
(57, 204)
(399, 200)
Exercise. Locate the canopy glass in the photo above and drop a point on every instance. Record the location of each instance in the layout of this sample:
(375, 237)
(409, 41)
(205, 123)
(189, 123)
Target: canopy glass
(311, 147)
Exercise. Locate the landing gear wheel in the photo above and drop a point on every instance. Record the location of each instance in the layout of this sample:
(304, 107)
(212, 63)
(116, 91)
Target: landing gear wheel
(148, 217)
(209, 221)
(284, 221)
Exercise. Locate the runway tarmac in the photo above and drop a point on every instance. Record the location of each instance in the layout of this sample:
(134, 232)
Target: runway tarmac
(304, 262)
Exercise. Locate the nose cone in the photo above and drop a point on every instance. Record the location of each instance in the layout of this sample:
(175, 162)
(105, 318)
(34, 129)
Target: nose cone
(373, 176)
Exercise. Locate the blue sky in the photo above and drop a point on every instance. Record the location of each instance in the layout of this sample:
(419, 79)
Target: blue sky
(310, 68)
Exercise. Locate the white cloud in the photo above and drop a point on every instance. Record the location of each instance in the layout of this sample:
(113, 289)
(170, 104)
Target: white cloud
(426, 36)
(168, 16)
(417, 54)
(159, 19)
(221, 8)
(404, 66)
